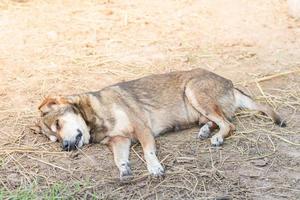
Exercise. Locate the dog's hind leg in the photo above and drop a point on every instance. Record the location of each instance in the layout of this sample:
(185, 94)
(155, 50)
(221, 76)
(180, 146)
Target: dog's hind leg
(120, 147)
(207, 106)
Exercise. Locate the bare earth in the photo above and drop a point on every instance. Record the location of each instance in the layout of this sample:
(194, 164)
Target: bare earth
(65, 47)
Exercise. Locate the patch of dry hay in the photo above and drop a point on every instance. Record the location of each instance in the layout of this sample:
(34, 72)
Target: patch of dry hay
(194, 169)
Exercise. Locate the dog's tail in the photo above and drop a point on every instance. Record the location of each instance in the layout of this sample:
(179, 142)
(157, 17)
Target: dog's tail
(243, 100)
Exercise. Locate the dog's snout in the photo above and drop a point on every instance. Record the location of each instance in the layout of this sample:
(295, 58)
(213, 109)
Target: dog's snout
(69, 145)
(66, 145)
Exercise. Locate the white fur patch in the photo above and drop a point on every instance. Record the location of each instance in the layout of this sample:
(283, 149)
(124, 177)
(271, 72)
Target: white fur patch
(242, 101)
(71, 123)
(153, 165)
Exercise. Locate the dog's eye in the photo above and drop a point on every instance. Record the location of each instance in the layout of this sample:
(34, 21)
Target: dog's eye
(57, 125)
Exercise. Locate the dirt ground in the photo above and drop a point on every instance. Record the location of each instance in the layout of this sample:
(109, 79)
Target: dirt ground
(65, 47)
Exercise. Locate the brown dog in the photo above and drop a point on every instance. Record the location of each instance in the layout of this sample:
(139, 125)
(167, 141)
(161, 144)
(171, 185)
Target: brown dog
(144, 108)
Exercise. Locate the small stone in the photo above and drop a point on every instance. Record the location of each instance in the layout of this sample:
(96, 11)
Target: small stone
(259, 163)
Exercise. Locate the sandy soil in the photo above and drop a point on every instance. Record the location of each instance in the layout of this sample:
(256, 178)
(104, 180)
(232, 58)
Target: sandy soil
(66, 47)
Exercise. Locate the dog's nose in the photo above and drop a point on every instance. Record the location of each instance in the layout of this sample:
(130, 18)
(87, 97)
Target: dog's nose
(66, 145)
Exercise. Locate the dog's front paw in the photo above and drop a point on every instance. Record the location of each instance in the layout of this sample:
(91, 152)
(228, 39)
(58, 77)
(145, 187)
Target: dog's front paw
(156, 170)
(217, 140)
(125, 171)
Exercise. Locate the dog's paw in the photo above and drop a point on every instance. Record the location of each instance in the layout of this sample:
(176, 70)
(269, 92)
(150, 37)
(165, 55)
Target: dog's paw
(156, 170)
(53, 138)
(217, 140)
(204, 132)
(125, 171)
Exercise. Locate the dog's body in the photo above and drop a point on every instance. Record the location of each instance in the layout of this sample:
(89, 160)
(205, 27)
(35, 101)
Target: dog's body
(144, 108)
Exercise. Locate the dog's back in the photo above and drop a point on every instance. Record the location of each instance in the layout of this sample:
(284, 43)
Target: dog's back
(161, 102)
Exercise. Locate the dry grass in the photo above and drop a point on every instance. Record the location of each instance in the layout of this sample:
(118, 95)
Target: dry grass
(194, 169)
(64, 47)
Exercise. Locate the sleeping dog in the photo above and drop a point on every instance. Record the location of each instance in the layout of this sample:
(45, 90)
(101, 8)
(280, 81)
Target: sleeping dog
(142, 109)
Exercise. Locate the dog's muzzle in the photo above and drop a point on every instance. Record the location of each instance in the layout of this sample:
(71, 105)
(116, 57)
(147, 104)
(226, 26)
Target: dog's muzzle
(68, 145)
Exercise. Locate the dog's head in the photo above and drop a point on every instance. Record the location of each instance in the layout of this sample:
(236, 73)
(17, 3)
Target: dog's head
(62, 120)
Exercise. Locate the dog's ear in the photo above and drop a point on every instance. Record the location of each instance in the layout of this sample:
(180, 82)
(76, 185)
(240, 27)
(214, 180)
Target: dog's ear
(48, 104)
(52, 102)
(70, 99)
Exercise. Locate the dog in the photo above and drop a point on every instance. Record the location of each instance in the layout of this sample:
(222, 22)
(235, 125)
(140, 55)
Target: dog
(142, 109)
